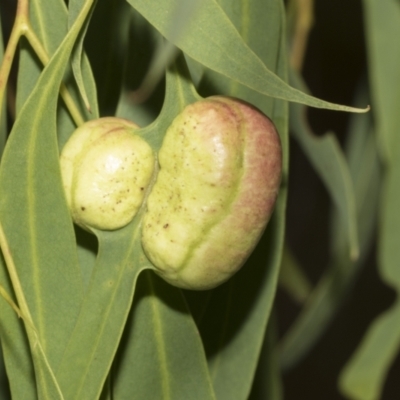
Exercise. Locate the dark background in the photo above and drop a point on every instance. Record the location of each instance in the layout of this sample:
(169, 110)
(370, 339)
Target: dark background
(335, 62)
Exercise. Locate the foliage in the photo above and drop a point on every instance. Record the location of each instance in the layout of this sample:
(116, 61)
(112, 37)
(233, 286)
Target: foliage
(83, 316)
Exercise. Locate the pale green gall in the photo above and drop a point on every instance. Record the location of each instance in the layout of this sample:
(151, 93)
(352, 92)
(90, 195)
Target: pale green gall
(106, 169)
(220, 172)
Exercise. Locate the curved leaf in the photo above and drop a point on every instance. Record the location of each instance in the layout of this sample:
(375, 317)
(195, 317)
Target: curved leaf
(382, 22)
(36, 220)
(267, 381)
(94, 340)
(49, 21)
(212, 40)
(364, 376)
(74, 7)
(16, 357)
(161, 352)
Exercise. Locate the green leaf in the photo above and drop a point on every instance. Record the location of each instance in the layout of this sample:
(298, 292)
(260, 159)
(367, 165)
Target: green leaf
(268, 382)
(37, 224)
(15, 346)
(213, 40)
(50, 23)
(160, 352)
(42, 16)
(382, 339)
(74, 7)
(382, 22)
(94, 341)
(364, 376)
(16, 356)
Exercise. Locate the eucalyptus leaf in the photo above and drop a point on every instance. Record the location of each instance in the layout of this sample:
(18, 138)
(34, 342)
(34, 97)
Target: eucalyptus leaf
(15, 347)
(15, 354)
(267, 381)
(74, 7)
(212, 40)
(94, 340)
(382, 28)
(364, 376)
(37, 224)
(161, 352)
(49, 21)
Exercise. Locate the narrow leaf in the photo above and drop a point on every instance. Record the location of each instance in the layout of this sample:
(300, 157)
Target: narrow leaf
(93, 342)
(364, 376)
(49, 21)
(37, 223)
(382, 22)
(268, 382)
(212, 40)
(161, 353)
(15, 346)
(74, 7)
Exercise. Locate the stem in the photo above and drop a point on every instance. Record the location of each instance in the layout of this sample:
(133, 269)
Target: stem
(19, 293)
(304, 20)
(21, 27)
(44, 58)
(16, 32)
